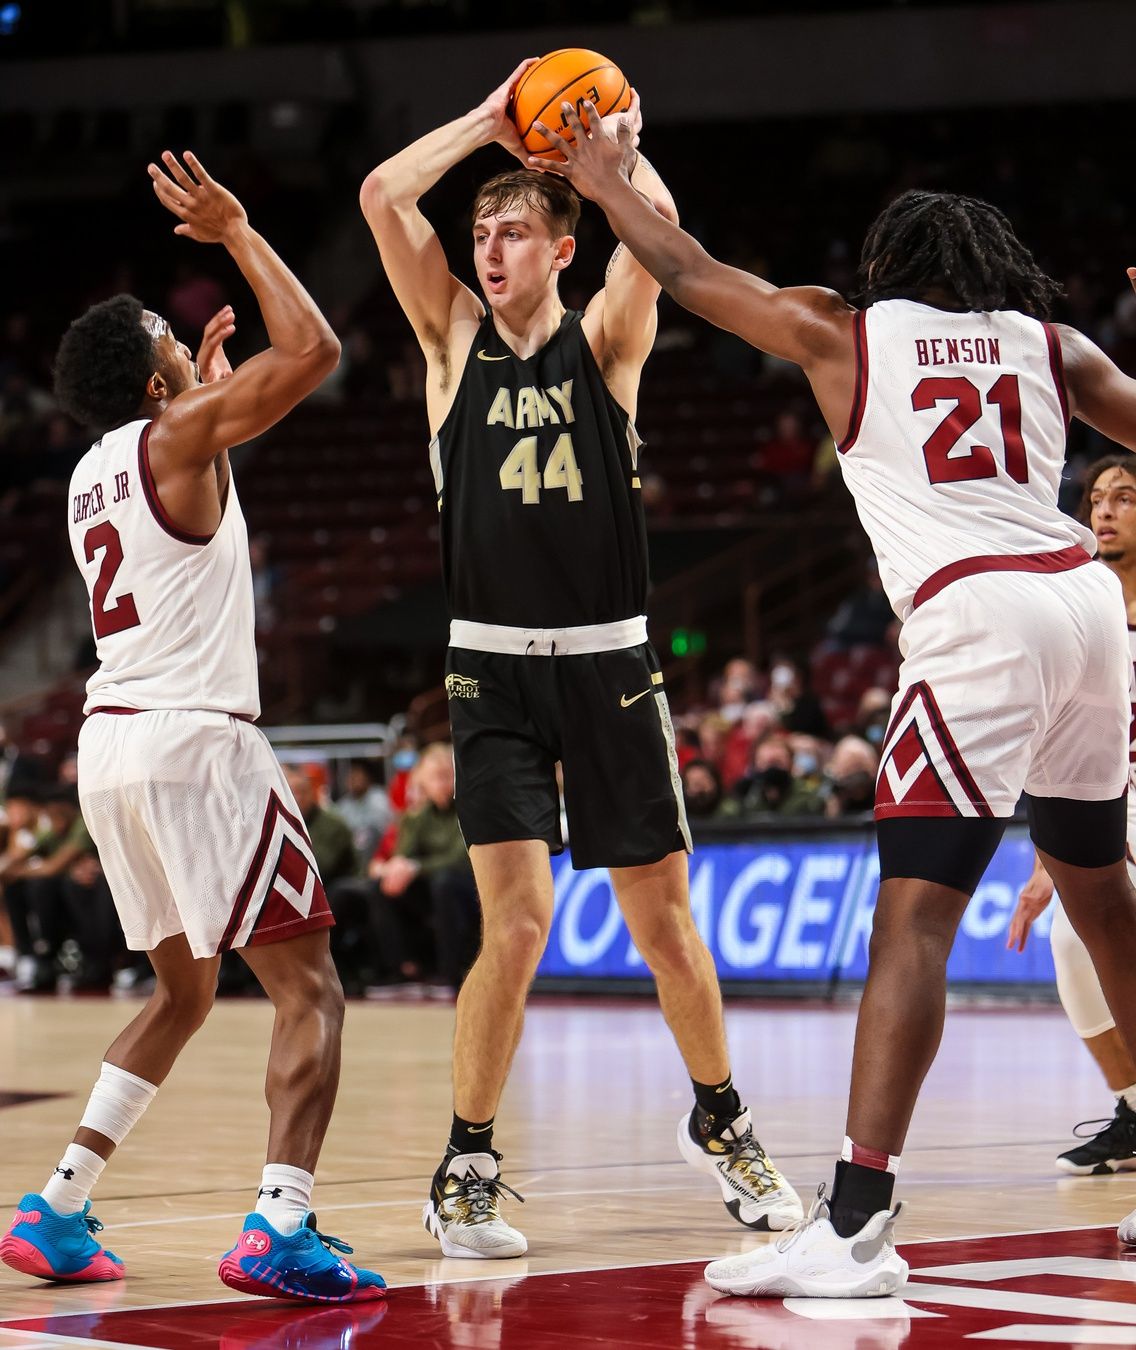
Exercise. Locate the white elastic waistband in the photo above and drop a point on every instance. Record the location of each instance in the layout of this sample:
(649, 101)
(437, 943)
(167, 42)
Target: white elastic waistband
(596, 637)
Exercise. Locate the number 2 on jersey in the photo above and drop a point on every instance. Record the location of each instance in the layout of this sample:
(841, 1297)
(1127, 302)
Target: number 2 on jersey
(123, 614)
(978, 461)
(520, 470)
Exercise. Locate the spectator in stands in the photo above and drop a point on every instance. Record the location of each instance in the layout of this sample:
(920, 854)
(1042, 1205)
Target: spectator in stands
(702, 790)
(851, 777)
(330, 834)
(797, 706)
(786, 458)
(713, 735)
(866, 616)
(428, 883)
(740, 685)
(873, 715)
(771, 788)
(55, 891)
(365, 807)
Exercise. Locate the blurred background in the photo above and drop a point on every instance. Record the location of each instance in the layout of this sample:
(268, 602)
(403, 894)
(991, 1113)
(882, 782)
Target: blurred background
(782, 128)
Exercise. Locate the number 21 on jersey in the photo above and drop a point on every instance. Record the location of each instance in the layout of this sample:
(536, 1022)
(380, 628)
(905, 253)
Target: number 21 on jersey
(950, 462)
(521, 472)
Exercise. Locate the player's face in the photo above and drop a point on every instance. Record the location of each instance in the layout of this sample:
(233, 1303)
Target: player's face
(1112, 515)
(174, 361)
(516, 256)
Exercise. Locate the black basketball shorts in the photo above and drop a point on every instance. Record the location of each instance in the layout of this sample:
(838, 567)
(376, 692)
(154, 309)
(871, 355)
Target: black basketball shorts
(604, 717)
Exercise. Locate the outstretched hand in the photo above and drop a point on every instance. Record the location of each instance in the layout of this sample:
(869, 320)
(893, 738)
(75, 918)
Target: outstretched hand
(212, 363)
(208, 211)
(1132, 277)
(1032, 903)
(597, 159)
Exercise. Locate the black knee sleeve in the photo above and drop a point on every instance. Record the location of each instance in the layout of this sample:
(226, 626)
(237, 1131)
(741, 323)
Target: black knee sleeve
(1082, 834)
(950, 851)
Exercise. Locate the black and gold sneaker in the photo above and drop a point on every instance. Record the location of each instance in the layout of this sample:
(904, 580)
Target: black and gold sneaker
(753, 1190)
(463, 1211)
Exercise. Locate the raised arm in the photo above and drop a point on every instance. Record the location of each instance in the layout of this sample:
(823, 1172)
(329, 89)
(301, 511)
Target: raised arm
(1099, 391)
(205, 420)
(432, 299)
(801, 323)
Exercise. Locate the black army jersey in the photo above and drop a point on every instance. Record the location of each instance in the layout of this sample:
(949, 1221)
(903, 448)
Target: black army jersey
(536, 469)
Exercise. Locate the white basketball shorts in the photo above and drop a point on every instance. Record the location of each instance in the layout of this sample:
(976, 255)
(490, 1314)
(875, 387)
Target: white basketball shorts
(197, 831)
(1011, 682)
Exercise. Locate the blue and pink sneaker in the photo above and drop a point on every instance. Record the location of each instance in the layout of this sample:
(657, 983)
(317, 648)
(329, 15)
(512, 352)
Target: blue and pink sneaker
(300, 1266)
(57, 1246)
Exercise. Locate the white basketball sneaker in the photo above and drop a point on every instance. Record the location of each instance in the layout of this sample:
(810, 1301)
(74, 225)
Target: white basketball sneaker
(753, 1190)
(814, 1261)
(463, 1211)
(1127, 1230)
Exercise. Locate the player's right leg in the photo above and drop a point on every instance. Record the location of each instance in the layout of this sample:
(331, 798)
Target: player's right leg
(281, 1253)
(1111, 1148)
(514, 883)
(52, 1232)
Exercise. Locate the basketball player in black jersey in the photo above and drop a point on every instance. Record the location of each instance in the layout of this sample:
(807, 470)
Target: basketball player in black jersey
(545, 564)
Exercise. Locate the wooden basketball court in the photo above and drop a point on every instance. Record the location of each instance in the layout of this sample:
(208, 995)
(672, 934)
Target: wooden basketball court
(618, 1226)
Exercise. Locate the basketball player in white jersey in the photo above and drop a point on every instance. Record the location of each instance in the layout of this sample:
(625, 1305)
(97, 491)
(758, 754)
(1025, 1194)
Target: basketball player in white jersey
(199, 836)
(948, 396)
(1109, 508)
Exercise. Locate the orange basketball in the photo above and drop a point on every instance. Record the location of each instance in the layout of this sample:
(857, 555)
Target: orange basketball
(571, 75)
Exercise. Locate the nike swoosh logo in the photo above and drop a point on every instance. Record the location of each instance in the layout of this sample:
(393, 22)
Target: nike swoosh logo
(480, 1129)
(725, 1086)
(626, 702)
(484, 356)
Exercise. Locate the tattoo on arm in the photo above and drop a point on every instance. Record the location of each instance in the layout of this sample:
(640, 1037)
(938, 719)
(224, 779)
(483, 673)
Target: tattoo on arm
(613, 260)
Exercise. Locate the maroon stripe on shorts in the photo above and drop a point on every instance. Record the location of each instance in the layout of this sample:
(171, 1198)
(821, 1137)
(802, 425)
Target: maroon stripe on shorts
(1063, 560)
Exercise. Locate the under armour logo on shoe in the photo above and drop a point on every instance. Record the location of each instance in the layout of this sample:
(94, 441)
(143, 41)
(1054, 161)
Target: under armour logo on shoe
(274, 1194)
(65, 1172)
(256, 1242)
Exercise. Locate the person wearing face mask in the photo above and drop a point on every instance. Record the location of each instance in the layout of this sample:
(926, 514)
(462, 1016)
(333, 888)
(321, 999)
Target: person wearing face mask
(772, 788)
(873, 715)
(702, 790)
(852, 777)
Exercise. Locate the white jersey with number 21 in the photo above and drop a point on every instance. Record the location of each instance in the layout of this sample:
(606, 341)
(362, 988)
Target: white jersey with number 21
(956, 440)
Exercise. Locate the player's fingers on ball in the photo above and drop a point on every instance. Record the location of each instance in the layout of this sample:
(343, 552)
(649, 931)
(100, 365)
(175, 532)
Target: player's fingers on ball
(554, 138)
(571, 116)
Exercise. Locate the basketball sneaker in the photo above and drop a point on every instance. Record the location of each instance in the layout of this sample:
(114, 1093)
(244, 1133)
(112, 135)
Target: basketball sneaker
(55, 1246)
(1127, 1230)
(301, 1266)
(463, 1211)
(1112, 1149)
(753, 1190)
(812, 1260)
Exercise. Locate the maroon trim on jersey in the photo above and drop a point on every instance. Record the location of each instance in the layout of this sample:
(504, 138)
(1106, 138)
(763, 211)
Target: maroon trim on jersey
(274, 809)
(1063, 560)
(150, 488)
(860, 394)
(947, 806)
(1057, 368)
(131, 712)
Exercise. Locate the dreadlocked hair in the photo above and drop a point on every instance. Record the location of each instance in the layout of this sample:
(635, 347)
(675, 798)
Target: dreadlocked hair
(103, 363)
(1126, 462)
(965, 246)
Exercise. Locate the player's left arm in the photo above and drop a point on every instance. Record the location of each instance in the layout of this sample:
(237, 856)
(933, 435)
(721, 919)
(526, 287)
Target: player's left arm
(1100, 393)
(624, 311)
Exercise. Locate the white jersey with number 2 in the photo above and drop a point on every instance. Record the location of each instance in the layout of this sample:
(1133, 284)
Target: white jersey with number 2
(956, 442)
(172, 612)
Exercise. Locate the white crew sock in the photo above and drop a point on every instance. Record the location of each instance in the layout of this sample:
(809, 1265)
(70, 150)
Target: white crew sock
(285, 1196)
(1128, 1096)
(72, 1181)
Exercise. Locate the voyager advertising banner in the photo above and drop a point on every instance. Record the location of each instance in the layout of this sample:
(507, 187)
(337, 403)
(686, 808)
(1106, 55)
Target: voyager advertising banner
(799, 910)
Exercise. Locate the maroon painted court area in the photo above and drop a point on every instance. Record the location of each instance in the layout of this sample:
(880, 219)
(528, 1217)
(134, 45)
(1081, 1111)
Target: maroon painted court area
(1080, 1282)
